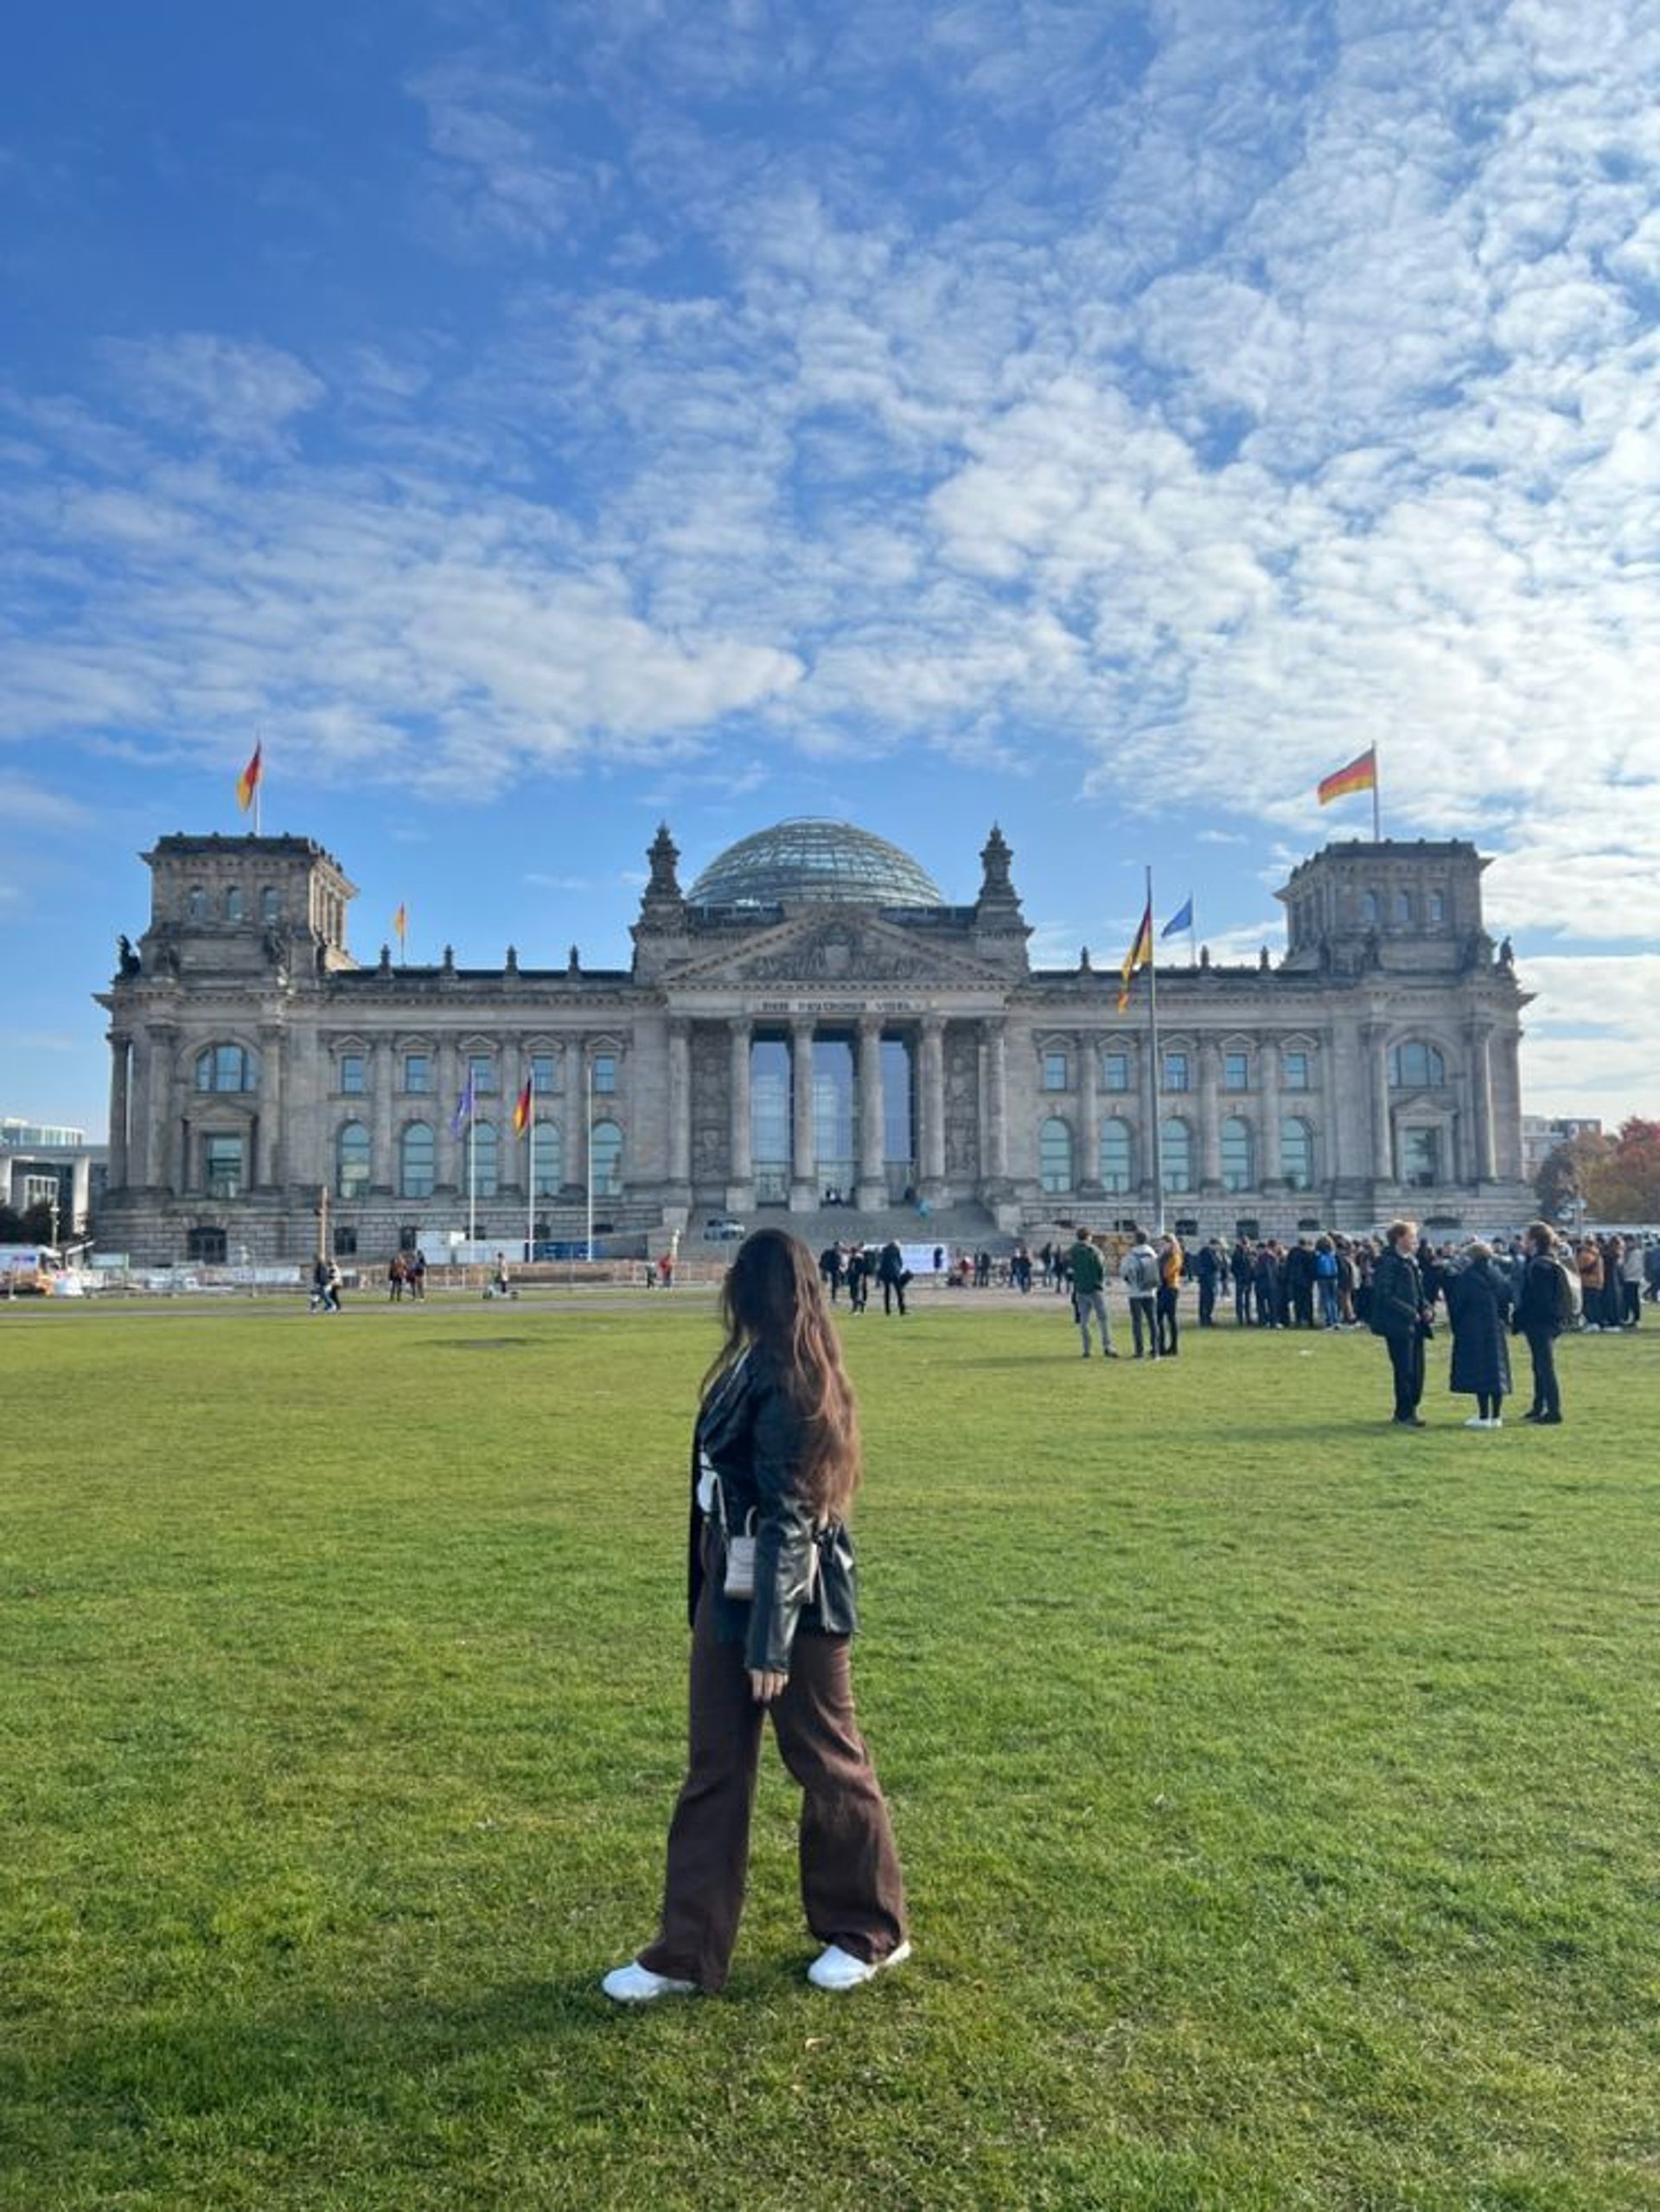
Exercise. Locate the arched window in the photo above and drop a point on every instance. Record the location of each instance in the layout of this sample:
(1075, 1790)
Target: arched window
(1437, 909)
(233, 904)
(482, 1156)
(417, 1162)
(1176, 1150)
(270, 904)
(224, 1068)
(1054, 1155)
(605, 1157)
(1117, 1157)
(1416, 1066)
(1297, 1153)
(1404, 906)
(195, 904)
(1369, 910)
(352, 1161)
(546, 1160)
(1236, 1166)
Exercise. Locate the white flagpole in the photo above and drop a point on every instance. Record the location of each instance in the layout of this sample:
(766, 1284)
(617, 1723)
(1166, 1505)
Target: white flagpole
(530, 1174)
(1153, 1065)
(472, 1180)
(1377, 813)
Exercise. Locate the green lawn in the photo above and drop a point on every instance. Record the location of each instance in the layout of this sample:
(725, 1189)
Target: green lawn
(1277, 1790)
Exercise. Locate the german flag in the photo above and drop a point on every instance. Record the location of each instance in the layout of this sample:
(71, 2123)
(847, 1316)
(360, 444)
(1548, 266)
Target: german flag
(1139, 956)
(1361, 775)
(248, 782)
(521, 1112)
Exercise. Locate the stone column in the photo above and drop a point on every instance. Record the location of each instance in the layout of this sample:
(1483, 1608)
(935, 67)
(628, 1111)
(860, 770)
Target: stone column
(383, 1173)
(1087, 1172)
(1479, 1040)
(871, 1194)
(1378, 1072)
(121, 1068)
(1507, 1153)
(574, 1139)
(680, 1104)
(450, 1158)
(160, 1136)
(1210, 1119)
(740, 1189)
(931, 1075)
(994, 1150)
(1270, 1174)
(804, 1172)
(267, 1170)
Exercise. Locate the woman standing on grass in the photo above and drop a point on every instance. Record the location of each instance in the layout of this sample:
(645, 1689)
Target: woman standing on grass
(1479, 1306)
(776, 1439)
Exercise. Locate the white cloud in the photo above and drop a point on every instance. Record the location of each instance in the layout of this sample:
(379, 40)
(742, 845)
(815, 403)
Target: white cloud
(237, 393)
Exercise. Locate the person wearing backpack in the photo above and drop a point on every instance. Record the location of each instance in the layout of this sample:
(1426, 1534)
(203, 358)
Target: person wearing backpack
(1542, 1311)
(1139, 1275)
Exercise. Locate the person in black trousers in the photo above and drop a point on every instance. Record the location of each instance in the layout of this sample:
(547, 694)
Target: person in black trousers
(1401, 1316)
(1539, 1318)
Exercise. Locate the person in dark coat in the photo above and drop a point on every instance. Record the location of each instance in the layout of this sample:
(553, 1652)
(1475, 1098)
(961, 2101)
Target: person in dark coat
(1478, 1294)
(1400, 1314)
(1539, 1318)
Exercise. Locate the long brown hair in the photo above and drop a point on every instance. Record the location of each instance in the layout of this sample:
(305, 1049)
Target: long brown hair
(773, 1301)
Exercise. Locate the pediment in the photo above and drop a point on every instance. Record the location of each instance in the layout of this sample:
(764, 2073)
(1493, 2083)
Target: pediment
(838, 948)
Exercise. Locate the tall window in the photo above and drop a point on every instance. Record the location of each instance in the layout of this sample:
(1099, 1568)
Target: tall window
(481, 1072)
(1054, 1155)
(418, 1073)
(482, 1160)
(1115, 1071)
(352, 1161)
(1176, 1071)
(351, 1074)
(223, 1166)
(224, 1068)
(605, 1154)
(1404, 906)
(1176, 1147)
(1420, 1156)
(195, 903)
(1370, 912)
(1297, 1153)
(546, 1160)
(544, 1073)
(604, 1065)
(1054, 1071)
(1236, 1165)
(1416, 1066)
(417, 1162)
(270, 904)
(1437, 909)
(1235, 1070)
(233, 904)
(1117, 1159)
(1294, 1070)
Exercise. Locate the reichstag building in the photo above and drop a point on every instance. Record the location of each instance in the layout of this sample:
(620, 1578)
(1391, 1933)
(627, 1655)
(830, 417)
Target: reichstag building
(810, 1024)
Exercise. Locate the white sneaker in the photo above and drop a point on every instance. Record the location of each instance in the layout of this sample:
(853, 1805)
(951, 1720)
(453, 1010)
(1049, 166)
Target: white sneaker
(1497, 1421)
(839, 1970)
(637, 1984)
(1477, 1421)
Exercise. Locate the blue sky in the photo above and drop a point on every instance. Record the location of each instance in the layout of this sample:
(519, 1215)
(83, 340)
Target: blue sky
(536, 423)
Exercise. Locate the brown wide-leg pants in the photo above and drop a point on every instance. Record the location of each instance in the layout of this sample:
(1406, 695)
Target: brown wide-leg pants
(851, 1887)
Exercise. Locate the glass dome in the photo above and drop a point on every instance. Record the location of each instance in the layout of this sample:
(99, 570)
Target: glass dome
(815, 860)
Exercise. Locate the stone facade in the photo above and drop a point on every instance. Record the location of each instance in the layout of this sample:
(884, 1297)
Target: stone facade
(758, 1053)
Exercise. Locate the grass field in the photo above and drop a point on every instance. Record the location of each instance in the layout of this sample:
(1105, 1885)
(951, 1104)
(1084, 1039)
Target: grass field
(1277, 1790)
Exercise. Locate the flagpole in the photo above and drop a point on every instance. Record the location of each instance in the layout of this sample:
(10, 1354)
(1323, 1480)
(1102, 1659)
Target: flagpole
(1152, 1067)
(530, 1174)
(1377, 814)
(472, 1181)
(259, 747)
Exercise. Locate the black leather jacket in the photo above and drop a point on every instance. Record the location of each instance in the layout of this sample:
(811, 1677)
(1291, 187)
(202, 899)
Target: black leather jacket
(752, 1439)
